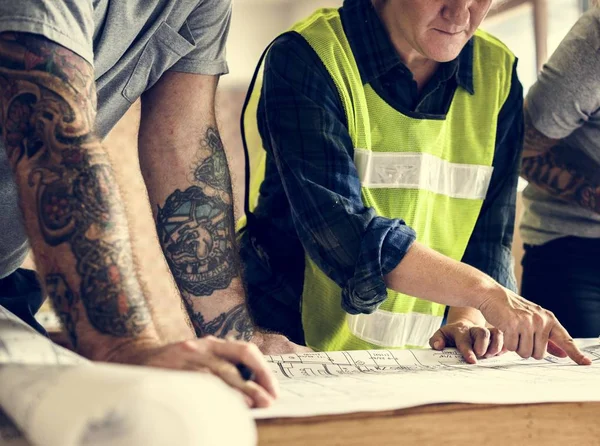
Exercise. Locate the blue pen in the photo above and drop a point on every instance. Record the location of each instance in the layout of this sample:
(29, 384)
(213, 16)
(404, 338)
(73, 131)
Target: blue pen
(246, 372)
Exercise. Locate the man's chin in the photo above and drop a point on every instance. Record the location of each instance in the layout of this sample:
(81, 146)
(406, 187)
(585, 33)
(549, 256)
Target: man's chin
(443, 48)
(443, 55)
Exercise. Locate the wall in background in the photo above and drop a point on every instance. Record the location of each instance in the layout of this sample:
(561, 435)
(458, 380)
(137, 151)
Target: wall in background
(256, 22)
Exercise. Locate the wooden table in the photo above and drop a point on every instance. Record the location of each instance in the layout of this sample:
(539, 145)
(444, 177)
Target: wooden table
(443, 424)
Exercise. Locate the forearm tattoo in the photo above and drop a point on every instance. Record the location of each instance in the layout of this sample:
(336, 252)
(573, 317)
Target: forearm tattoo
(64, 300)
(534, 142)
(196, 231)
(235, 321)
(561, 171)
(48, 113)
(552, 173)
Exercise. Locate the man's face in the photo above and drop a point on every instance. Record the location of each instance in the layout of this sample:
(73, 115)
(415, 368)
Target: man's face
(437, 29)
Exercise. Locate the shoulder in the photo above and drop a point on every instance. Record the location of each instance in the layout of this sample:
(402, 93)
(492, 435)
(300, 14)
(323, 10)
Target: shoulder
(576, 61)
(293, 70)
(210, 14)
(485, 44)
(586, 32)
(291, 58)
(215, 5)
(292, 48)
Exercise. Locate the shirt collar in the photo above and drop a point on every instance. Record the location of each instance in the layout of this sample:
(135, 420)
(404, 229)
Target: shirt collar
(375, 54)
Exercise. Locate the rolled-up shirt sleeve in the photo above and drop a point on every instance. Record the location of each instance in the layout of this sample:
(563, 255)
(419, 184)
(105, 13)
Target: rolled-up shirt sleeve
(306, 133)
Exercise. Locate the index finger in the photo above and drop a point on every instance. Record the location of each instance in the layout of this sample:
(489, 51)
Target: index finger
(249, 355)
(563, 340)
(464, 344)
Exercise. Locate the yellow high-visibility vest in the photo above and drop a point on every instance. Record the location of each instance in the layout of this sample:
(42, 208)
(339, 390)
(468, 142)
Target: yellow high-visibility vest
(433, 173)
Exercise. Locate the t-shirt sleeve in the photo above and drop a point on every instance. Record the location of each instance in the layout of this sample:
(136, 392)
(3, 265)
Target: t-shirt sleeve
(209, 25)
(69, 23)
(567, 92)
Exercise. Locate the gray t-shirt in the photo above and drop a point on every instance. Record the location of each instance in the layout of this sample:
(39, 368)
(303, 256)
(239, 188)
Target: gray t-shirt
(131, 43)
(565, 104)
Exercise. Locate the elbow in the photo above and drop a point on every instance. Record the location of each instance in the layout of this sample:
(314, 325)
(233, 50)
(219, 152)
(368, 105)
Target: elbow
(363, 298)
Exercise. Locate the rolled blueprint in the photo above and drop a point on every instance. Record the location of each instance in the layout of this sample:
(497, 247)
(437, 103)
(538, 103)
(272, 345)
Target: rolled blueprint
(57, 398)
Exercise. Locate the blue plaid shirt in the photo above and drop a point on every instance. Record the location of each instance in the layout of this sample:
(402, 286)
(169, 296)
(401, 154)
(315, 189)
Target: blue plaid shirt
(311, 197)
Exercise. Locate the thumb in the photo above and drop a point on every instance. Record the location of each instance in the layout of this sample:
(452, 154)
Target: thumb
(438, 340)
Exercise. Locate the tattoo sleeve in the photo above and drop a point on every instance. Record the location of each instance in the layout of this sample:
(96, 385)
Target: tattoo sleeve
(561, 171)
(71, 205)
(196, 230)
(535, 143)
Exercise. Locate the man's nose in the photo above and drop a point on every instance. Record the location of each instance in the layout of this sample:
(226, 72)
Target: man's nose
(457, 12)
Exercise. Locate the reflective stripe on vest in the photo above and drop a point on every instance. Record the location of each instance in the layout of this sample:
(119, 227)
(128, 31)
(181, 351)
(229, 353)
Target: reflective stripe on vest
(422, 171)
(385, 328)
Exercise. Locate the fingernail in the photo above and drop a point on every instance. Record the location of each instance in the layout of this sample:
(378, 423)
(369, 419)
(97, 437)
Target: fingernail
(437, 345)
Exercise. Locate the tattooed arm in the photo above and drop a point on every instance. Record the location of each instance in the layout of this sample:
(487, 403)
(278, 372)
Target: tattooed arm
(562, 172)
(71, 206)
(76, 223)
(185, 169)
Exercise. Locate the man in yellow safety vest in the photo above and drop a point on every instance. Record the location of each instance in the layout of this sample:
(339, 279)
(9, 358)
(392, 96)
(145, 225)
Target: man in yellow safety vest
(384, 141)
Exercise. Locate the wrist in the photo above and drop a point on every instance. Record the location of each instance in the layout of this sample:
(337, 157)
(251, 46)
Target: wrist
(258, 337)
(466, 316)
(134, 352)
(482, 291)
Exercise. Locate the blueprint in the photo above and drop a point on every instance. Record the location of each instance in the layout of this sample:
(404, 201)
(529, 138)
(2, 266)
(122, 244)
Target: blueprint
(376, 380)
(52, 397)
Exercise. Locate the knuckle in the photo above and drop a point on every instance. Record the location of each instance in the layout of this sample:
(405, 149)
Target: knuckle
(455, 327)
(482, 331)
(538, 319)
(461, 326)
(197, 345)
(248, 350)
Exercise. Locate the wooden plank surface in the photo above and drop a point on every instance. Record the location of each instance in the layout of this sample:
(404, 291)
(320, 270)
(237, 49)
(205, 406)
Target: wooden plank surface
(443, 424)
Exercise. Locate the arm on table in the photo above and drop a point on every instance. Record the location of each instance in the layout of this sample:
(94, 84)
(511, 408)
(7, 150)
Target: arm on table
(188, 178)
(71, 207)
(312, 150)
(489, 247)
(75, 219)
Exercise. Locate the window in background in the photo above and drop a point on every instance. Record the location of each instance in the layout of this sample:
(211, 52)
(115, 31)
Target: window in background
(515, 28)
